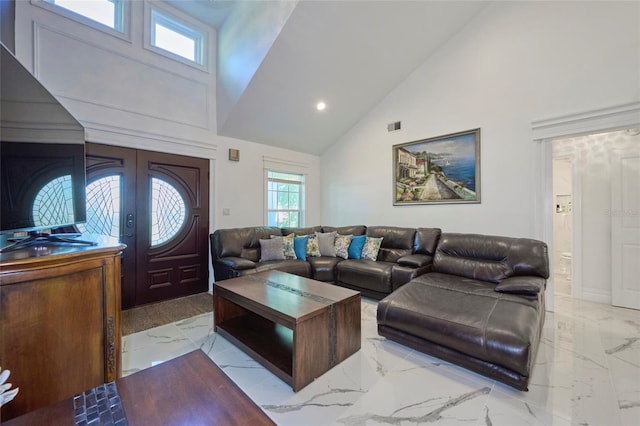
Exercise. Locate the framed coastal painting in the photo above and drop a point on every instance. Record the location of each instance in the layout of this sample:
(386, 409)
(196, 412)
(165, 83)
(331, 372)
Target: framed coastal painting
(443, 169)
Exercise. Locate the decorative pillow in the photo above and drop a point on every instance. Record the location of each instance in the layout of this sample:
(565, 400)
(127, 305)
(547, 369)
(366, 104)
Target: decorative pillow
(312, 246)
(271, 249)
(300, 247)
(342, 245)
(356, 245)
(287, 246)
(371, 248)
(327, 243)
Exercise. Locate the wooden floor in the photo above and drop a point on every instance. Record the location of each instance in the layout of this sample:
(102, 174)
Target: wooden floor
(156, 314)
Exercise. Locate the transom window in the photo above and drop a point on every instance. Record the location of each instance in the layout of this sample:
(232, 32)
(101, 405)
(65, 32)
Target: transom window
(285, 199)
(105, 12)
(176, 37)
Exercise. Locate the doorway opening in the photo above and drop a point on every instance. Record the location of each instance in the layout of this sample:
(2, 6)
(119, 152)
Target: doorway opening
(562, 255)
(596, 217)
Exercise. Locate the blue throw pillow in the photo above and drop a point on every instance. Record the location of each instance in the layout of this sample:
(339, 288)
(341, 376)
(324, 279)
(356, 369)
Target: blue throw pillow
(356, 245)
(300, 247)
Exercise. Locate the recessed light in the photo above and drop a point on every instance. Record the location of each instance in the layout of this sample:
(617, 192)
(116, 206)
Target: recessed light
(320, 106)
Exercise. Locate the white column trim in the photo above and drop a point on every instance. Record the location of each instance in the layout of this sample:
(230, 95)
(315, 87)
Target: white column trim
(98, 133)
(588, 122)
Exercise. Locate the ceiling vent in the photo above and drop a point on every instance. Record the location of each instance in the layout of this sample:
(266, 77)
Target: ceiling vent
(392, 127)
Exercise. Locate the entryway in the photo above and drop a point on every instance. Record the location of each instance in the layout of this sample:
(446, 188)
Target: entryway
(158, 205)
(596, 217)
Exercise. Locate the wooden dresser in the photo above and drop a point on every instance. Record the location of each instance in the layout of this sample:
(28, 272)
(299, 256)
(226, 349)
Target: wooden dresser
(59, 321)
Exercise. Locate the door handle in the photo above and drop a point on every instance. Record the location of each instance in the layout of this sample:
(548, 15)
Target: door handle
(129, 224)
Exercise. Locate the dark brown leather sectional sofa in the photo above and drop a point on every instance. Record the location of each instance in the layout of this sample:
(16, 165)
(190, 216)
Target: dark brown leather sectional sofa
(405, 254)
(474, 300)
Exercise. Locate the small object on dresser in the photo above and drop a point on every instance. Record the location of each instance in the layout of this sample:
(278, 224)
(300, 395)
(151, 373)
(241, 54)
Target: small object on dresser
(6, 395)
(101, 404)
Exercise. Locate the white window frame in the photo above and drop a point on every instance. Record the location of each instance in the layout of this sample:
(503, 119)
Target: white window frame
(185, 25)
(301, 210)
(124, 28)
(285, 166)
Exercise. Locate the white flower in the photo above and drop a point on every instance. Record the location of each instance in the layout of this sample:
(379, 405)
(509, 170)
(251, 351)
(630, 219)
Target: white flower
(6, 395)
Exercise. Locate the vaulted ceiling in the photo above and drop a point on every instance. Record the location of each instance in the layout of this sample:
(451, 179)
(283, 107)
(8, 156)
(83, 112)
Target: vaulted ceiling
(278, 59)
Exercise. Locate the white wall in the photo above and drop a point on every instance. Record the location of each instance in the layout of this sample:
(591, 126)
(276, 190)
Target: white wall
(515, 63)
(239, 186)
(244, 40)
(129, 96)
(113, 84)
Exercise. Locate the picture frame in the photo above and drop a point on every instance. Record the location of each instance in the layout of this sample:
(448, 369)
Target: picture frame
(234, 154)
(439, 170)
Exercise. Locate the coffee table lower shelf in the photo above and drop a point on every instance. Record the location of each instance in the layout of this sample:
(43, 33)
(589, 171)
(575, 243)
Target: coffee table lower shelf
(296, 327)
(268, 343)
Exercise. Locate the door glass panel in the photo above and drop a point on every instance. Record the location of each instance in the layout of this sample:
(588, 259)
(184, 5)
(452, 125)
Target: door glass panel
(168, 211)
(103, 207)
(54, 203)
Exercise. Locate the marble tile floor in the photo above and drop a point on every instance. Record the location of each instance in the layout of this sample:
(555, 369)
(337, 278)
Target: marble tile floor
(587, 372)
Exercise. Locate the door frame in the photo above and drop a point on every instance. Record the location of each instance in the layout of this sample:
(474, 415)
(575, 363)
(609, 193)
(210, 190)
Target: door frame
(617, 117)
(126, 138)
(576, 222)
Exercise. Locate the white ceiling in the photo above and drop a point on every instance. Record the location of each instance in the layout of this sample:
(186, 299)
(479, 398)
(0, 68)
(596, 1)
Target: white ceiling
(350, 54)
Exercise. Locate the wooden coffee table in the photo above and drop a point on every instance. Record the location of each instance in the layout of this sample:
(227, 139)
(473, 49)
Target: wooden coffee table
(296, 327)
(188, 390)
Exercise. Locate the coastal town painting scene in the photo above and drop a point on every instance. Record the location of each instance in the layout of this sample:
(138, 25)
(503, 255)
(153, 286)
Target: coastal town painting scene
(444, 169)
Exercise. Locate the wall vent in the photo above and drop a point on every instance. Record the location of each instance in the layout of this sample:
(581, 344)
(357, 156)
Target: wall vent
(392, 127)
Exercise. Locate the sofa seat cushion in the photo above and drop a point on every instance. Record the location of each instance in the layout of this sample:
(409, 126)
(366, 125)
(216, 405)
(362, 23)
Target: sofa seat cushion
(296, 267)
(323, 268)
(366, 274)
(468, 316)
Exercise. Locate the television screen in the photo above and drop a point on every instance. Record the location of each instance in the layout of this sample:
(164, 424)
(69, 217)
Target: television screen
(42, 159)
(42, 185)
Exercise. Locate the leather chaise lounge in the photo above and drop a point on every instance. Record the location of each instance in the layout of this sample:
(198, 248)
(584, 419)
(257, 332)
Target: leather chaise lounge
(474, 300)
(482, 306)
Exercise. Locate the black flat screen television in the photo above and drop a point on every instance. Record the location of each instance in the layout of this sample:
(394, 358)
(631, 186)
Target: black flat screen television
(42, 158)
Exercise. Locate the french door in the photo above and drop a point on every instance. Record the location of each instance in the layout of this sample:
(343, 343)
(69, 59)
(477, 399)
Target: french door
(158, 205)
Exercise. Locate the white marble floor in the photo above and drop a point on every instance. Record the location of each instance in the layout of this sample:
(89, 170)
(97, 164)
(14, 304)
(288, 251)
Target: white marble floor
(587, 372)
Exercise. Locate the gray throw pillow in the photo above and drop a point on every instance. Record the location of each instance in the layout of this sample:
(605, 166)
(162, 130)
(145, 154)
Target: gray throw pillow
(271, 249)
(327, 243)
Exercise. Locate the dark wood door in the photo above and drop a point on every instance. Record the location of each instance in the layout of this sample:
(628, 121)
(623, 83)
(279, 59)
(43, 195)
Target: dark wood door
(157, 204)
(173, 226)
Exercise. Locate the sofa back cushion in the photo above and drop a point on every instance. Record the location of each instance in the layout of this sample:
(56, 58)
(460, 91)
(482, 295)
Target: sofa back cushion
(396, 241)
(426, 241)
(241, 242)
(310, 230)
(346, 230)
(490, 258)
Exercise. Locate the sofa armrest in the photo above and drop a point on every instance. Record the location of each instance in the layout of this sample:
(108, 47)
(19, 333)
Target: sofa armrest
(415, 260)
(400, 275)
(524, 285)
(237, 263)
